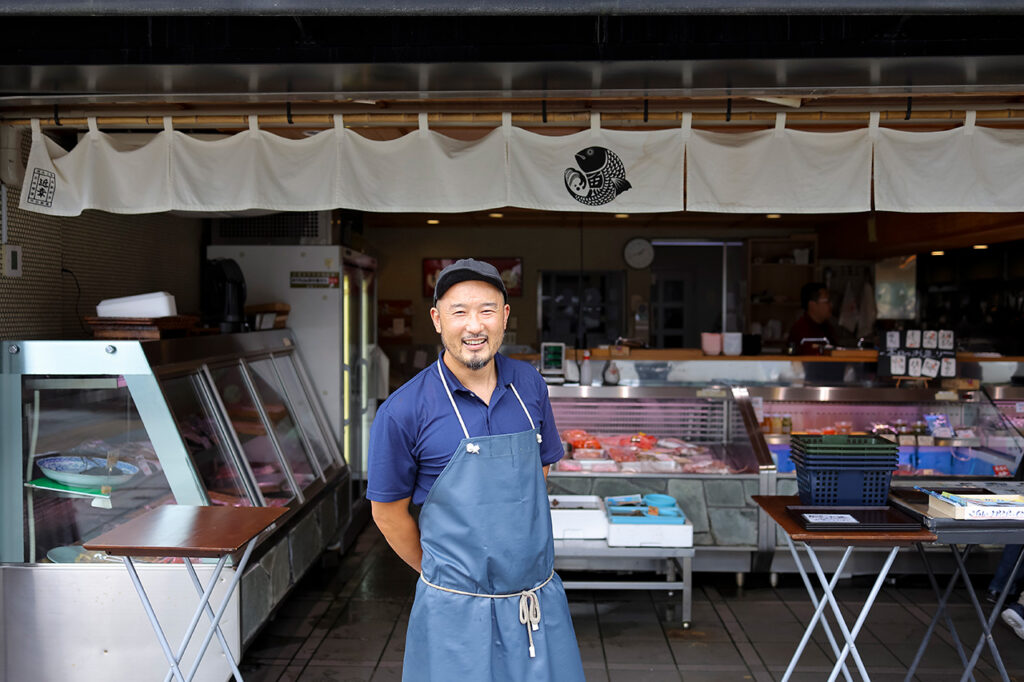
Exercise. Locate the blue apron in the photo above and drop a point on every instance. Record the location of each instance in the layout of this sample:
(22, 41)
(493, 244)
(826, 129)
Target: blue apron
(488, 603)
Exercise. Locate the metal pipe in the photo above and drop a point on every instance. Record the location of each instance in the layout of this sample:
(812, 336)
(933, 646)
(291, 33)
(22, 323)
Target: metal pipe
(492, 119)
(725, 289)
(506, 8)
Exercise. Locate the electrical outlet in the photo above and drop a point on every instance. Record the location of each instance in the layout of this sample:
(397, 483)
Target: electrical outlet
(10, 260)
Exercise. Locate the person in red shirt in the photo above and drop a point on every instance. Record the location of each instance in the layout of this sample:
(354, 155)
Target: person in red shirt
(815, 323)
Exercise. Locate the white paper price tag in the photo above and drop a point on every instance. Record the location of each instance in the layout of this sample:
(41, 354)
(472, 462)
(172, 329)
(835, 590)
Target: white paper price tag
(898, 365)
(711, 393)
(757, 402)
(830, 518)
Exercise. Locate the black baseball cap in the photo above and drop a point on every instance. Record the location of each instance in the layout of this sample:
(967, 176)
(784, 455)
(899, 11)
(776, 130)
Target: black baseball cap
(464, 270)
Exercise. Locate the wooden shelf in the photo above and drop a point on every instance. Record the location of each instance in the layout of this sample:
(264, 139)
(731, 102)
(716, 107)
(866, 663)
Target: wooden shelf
(768, 278)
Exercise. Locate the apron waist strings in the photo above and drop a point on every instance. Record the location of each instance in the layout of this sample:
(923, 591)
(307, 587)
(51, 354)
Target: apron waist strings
(529, 605)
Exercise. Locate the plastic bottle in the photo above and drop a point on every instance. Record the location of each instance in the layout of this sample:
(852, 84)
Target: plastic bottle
(611, 374)
(586, 372)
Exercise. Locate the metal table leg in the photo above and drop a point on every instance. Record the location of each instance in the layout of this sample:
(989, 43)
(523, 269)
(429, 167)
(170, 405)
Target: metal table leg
(204, 602)
(814, 600)
(204, 605)
(851, 635)
(215, 623)
(940, 611)
(220, 633)
(688, 591)
(828, 586)
(152, 618)
(986, 624)
(945, 613)
(818, 611)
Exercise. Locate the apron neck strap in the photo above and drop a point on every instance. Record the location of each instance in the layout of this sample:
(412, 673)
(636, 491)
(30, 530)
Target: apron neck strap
(532, 426)
(455, 407)
(451, 398)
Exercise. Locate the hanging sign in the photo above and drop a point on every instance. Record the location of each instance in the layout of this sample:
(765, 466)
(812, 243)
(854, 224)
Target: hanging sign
(608, 171)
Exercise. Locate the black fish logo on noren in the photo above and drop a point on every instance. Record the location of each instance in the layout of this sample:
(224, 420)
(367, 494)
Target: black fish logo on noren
(601, 177)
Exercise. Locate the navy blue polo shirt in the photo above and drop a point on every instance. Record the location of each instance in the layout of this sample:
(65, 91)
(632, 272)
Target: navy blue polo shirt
(415, 431)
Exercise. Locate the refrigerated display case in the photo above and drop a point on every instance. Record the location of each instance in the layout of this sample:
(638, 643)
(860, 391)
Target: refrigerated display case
(941, 433)
(730, 425)
(94, 433)
(1009, 400)
(359, 334)
(711, 458)
(980, 446)
(332, 294)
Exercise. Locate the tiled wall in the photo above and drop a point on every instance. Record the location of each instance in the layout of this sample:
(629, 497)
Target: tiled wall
(110, 255)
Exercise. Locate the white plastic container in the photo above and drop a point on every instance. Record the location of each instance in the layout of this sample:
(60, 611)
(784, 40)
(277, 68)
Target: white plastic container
(578, 517)
(156, 304)
(650, 535)
(652, 530)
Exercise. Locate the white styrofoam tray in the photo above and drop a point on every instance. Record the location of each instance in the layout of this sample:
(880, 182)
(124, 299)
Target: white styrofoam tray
(156, 304)
(578, 517)
(650, 534)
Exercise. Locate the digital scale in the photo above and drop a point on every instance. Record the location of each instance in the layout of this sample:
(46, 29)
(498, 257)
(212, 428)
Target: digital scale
(552, 362)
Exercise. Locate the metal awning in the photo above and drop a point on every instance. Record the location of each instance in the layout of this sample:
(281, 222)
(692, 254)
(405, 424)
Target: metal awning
(44, 85)
(502, 7)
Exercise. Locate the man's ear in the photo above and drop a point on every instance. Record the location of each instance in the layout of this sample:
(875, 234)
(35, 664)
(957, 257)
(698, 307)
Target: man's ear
(435, 317)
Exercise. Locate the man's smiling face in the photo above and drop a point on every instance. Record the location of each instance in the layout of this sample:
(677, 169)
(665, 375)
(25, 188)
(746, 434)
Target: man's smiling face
(471, 318)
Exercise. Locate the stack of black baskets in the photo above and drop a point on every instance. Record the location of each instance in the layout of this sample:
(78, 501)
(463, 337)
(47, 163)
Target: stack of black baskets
(843, 471)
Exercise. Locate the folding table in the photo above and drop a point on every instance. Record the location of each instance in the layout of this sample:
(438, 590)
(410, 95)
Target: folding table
(775, 506)
(955, 532)
(190, 533)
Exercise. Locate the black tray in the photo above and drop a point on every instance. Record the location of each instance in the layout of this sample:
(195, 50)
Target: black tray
(917, 497)
(880, 518)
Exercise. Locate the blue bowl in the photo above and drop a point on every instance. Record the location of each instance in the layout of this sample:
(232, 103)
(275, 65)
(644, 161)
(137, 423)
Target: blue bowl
(658, 500)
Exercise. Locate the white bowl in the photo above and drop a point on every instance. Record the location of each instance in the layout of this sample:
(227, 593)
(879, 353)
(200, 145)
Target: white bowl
(69, 471)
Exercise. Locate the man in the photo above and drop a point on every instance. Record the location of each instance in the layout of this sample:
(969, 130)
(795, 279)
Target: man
(470, 438)
(814, 323)
(1013, 615)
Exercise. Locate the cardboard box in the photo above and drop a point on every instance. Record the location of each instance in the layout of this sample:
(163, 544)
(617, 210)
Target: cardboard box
(578, 517)
(975, 509)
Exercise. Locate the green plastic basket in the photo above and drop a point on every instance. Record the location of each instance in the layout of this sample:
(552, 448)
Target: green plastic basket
(842, 444)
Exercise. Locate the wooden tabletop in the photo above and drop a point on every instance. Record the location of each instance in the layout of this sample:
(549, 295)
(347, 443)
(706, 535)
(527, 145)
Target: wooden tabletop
(776, 505)
(184, 531)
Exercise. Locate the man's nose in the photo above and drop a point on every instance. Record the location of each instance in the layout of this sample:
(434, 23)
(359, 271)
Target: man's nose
(474, 323)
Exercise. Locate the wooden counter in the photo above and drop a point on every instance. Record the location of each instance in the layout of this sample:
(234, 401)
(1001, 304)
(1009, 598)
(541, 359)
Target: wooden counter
(678, 354)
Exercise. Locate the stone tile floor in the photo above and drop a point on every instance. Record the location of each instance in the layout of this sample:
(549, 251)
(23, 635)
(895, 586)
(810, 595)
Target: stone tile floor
(347, 623)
